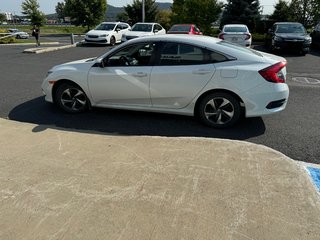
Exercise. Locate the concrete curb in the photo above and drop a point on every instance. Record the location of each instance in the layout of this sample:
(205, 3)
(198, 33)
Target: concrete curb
(47, 49)
(58, 183)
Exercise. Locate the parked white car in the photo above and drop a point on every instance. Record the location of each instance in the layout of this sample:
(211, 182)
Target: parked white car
(181, 74)
(18, 34)
(107, 33)
(143, 29)
(236, 33)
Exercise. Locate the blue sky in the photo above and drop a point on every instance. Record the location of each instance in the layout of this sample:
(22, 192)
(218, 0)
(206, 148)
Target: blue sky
(48, 6)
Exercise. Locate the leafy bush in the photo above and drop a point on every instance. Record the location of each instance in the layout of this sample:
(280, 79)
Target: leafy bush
(7, 40)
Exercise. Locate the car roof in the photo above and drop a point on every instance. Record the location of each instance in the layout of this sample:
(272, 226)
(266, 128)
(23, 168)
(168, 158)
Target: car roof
(288, 23)
(184, 24)
(194, 39)
(235, 25)
(110, 22)
(148, 23)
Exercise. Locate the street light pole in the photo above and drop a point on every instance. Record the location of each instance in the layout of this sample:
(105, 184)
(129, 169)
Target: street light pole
(143, 11)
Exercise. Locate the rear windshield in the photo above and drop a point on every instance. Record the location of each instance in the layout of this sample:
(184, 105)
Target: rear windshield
(180, 28)
(142, 28)
(105, 27)
(240, 48)
(235, 29)
(290, 28)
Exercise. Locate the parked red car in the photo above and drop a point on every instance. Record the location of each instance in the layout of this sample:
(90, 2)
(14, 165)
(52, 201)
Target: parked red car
(184, 29)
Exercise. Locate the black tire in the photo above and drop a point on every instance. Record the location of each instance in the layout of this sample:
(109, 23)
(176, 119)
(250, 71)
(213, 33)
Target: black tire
(219, 110)
(18, 37)
(112, 41)
(71, 98)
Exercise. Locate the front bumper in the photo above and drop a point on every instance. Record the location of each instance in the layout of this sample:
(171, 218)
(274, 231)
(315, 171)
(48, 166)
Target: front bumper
(292, 45)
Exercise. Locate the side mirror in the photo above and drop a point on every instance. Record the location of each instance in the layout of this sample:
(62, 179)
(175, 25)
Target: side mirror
(100, 63)
(156, 31)
(118, 29)
(270, 31)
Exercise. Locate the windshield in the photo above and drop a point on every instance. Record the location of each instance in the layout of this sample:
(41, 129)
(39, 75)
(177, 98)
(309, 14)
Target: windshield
(180, 28)
(142, 28)
(105, 27)
(290, 28)
(235, 29)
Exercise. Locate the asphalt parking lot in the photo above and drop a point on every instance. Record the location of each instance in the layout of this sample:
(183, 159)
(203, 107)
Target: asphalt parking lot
(294, 132)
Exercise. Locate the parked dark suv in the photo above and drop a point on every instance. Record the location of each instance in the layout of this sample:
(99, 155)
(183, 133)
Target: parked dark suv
(288, 35)
(316, 36)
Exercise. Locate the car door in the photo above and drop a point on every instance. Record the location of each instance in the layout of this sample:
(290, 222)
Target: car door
(124, 80)
(180, 73)
(123, 28)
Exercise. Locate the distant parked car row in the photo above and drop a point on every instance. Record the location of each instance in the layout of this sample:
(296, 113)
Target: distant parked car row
(282, 35)
(116, 32)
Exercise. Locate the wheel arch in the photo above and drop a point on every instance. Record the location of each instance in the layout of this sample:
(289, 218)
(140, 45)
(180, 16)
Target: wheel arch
(236, 96)
(62, 81)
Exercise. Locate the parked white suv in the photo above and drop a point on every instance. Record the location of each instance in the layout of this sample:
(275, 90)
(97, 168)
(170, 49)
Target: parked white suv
(143, 29)
(107, 33)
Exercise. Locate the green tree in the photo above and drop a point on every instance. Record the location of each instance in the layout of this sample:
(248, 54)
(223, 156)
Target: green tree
(86, 13)
(281, 12)
(316, 11)
(60, 10)
(200, 12)
(164, 18)
(306, 12)
(30, 8)
(2, 17)
(134, 11)
(242, 11)
(123, 17)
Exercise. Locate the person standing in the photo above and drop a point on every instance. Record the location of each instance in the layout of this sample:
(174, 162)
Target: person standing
(36, 34)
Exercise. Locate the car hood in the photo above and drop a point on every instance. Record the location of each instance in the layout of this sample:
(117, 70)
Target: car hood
(138, 34)
(98, 32)
(300, 36)
(75, 64)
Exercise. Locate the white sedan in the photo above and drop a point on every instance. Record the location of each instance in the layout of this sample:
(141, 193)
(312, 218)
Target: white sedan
(236, 33)
(189, 75)
(143, 29)
(107, 33)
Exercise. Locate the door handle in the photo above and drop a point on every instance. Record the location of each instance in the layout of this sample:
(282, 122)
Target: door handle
(202, 71)
(140, 74)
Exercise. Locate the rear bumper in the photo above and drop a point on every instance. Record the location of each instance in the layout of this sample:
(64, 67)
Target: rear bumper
(259, 103)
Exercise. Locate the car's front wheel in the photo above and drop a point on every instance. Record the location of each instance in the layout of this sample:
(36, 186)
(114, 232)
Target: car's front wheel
(71, 98)
(219, 110)
(112, 41)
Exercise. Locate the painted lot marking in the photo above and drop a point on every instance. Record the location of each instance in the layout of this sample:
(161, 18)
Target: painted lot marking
(306, 80)
(315, 176)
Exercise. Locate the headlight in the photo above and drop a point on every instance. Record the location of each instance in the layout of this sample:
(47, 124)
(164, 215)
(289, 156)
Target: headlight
(308, 40)
(279, 39)
(104, 35)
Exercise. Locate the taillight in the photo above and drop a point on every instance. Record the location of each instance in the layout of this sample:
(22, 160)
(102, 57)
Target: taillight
(221, 36)
(274, 73)
(248, 36)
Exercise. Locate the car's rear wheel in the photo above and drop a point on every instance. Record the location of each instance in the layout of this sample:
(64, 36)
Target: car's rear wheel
(112, 41)
(71, 98)
(219, 110)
